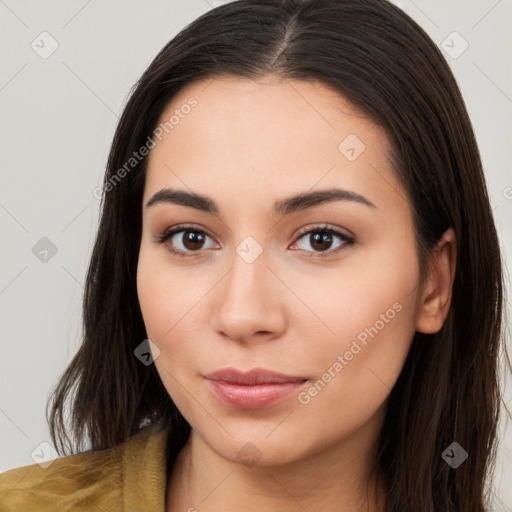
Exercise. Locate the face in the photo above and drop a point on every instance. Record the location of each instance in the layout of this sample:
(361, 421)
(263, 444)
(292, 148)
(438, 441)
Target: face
(324, 290)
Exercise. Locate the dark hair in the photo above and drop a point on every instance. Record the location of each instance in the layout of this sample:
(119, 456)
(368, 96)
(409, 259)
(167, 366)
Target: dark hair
(385, 64)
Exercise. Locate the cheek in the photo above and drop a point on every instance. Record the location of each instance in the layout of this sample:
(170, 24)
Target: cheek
(371, 309)
(163, 294)
(170, 303)
(165, 319)
(358, 367)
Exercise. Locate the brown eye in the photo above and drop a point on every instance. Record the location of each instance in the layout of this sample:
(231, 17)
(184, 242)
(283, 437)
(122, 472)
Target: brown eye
(184, 241)
(321, 240)
(187, 240)
(192, 240)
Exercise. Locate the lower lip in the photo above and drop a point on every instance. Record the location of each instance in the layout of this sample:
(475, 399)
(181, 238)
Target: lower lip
(253, 397)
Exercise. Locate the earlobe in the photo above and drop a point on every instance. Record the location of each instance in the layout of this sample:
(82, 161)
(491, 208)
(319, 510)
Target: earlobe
(436, 297)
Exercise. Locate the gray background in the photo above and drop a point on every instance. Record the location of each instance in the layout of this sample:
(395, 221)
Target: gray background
(57, 121)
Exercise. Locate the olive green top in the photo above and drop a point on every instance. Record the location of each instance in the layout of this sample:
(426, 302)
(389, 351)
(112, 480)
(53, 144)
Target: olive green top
(130, 477)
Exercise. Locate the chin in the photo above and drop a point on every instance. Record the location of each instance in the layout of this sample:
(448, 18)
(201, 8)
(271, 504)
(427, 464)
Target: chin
(252, 450)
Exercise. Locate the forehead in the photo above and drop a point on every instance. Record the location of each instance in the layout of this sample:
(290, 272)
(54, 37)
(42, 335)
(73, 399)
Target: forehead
(267, 135)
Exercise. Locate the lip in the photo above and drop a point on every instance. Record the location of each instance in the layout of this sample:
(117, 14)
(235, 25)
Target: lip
(251, 377)
(253, 389)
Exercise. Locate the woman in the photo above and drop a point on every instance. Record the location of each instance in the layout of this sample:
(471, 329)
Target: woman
(294, 301)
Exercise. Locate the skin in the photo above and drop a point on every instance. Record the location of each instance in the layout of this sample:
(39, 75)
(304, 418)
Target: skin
(246, 145)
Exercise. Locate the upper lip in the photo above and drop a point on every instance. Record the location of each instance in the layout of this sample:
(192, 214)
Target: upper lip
(253, 376)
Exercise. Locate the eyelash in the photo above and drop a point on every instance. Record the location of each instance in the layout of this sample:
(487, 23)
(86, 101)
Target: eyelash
(168, 233)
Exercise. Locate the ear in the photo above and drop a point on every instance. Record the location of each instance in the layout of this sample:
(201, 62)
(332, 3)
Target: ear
(437, 293)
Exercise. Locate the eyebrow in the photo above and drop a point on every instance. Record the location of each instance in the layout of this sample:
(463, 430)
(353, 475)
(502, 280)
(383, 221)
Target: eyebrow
(281, 207)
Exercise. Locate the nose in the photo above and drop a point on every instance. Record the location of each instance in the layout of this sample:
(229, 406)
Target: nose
(250, 302)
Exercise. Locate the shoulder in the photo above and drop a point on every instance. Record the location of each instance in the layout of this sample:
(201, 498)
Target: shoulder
(87, 481)
(65, 481)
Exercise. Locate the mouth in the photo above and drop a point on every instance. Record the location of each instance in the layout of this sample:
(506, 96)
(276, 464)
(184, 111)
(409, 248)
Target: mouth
(253, 389)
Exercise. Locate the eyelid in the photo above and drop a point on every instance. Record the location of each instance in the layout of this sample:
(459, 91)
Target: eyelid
(327, 227)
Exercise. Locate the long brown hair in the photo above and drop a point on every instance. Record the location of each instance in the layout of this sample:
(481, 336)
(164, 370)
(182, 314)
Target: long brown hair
(385, 64)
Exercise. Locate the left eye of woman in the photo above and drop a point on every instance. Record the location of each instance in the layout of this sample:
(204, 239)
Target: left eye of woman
(319, 237)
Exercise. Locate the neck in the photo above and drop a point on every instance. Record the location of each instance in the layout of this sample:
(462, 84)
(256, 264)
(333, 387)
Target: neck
(335, 479)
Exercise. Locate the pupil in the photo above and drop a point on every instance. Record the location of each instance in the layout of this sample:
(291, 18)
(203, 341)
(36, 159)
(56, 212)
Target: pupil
(320, 239)
(193, 240)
